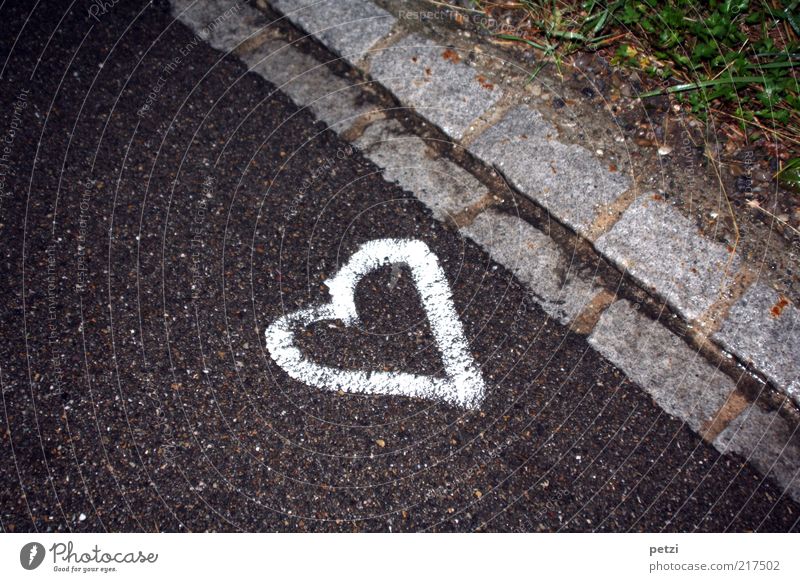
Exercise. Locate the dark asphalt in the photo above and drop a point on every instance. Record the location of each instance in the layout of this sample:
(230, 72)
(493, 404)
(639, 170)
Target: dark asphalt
(143, 257)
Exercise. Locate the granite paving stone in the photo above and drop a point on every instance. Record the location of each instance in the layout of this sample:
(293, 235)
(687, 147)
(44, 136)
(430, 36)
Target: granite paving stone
(536, 260)
(349, 28)
(431, 78)
(678, 378)
(566, 179)
(763, 328)
(406, 159)
(665, 252)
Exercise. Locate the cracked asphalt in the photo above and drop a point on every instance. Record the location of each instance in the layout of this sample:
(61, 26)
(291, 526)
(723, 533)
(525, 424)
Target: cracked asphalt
(160, 217)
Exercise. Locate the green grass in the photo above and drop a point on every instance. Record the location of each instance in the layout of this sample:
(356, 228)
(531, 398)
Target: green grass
(733, 58)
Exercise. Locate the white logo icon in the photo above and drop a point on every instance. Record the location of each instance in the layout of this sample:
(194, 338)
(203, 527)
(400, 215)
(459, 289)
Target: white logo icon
(462, 385)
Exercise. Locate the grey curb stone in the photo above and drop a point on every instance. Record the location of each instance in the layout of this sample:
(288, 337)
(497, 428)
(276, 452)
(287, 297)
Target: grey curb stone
(678, 378)
(224, 24)
(760, 328)
(348, 27)
(536, 260)
(440, 184)
(767, 441)
(566, 179)
(664, 252)
(449, 94)
(309, 83)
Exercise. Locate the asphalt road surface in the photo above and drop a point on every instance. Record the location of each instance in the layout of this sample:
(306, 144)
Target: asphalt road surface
(149, 242)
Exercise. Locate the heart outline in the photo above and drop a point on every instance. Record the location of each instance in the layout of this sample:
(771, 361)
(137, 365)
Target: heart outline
(463, 384)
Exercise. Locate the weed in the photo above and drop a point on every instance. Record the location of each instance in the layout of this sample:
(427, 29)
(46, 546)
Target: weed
(734, 56)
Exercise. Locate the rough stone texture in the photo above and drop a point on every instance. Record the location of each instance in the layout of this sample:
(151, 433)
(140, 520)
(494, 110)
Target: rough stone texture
(767, 441)
(224, 24)
(348, 27)
(191, 13)
(536, 260)
(428, 76)
(664, 252)
(566, 179)
(441, 185)
(678, 378)
(309, 83)
(764, 328)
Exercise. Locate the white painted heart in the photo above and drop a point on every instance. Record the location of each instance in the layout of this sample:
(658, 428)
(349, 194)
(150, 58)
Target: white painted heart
(462, 385)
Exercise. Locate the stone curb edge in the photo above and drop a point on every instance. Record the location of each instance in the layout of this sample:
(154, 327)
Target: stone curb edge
(704, 283)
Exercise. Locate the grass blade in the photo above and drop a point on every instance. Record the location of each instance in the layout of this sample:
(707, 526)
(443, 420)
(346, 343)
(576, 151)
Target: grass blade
(704, 84)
